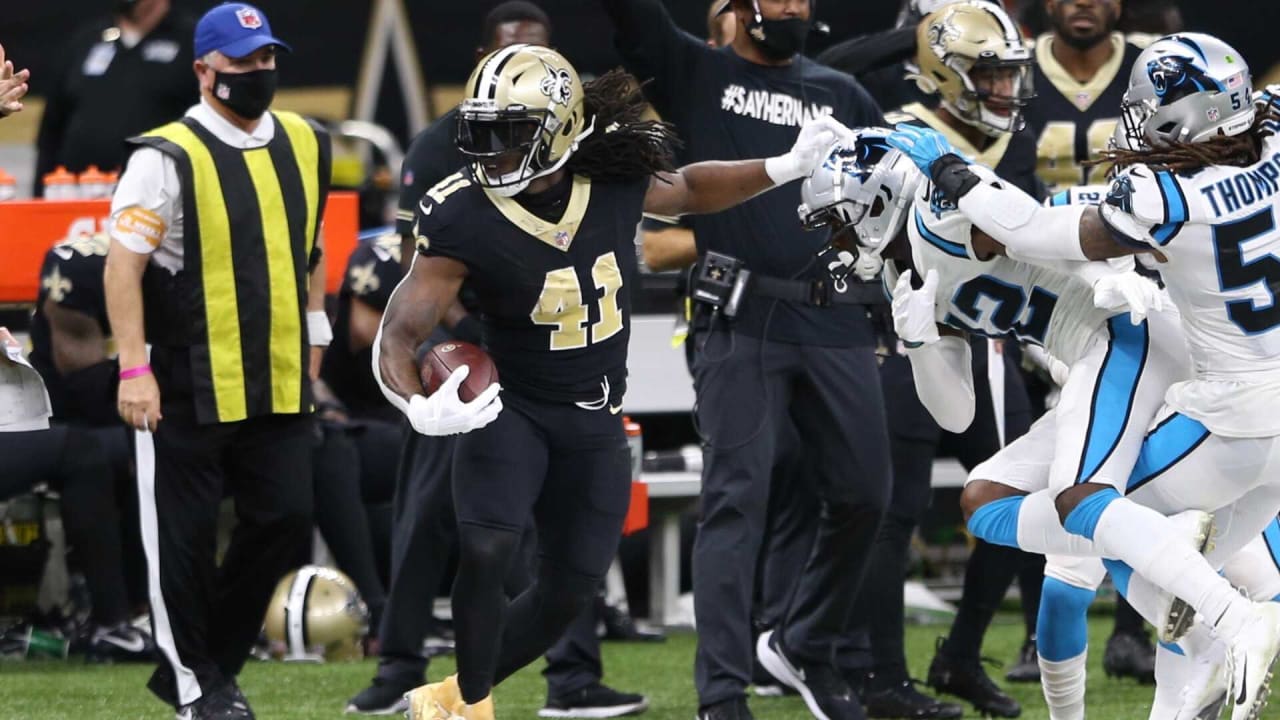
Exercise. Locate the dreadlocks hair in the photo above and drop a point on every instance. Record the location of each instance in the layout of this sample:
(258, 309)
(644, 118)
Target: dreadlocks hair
(623, 147)
(1240, 150)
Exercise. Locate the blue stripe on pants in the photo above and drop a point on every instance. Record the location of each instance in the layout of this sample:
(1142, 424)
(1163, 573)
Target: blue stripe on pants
(1163, 447)
(1114, 393)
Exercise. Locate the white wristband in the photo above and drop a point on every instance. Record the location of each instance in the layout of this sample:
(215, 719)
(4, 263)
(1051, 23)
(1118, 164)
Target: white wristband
(782, 169)
(318, 329)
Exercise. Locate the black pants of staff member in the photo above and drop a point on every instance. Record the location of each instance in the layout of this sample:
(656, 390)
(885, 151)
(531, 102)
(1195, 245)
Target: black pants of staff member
(71, 460)
(205, 617)
(567, 470)
(789, 534)
(915, 440)
(424, 535)
(746, 390)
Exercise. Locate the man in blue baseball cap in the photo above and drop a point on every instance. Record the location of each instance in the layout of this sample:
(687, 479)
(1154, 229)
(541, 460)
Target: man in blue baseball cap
(215, 241)
(236, 61)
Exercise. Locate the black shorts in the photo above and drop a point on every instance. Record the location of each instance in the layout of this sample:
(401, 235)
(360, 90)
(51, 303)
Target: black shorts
(565, 468)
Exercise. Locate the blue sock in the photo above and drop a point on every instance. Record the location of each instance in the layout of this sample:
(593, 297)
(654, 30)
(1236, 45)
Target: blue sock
(1084, 519)
(1173, 648)
(1062, 630)
(997, 521)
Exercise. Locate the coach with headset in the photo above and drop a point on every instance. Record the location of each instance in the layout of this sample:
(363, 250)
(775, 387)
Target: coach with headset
(791, 343)
(215, 245)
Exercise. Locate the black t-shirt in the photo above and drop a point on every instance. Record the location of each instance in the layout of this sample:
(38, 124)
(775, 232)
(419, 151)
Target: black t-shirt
(1072, 121)
(554, 297)
(105, 92)
(71, 277)
(879, 62)
(726, 108)
(373, 271)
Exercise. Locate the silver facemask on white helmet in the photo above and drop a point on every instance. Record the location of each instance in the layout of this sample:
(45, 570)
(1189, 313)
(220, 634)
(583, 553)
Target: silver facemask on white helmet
(866, 185)
(1187, 88)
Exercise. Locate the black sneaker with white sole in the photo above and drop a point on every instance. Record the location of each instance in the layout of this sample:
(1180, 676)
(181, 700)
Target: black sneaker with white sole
(382, 697)
(225, 703)
(824, 690)
(594, 701)
(119, 643)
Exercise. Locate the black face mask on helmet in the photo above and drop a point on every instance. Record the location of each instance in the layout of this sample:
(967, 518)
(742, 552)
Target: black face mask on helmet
(245, 94)
(780, 39)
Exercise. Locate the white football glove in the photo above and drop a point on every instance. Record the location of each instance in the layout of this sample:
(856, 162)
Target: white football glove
(913, 310)
(1128, 292)
(814, 142)
(444, 413)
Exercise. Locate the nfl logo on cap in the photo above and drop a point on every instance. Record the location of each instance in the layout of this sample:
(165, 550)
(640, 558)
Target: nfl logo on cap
(249, 18)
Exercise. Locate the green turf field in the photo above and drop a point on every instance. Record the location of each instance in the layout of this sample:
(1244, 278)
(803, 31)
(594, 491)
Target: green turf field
(47, 690)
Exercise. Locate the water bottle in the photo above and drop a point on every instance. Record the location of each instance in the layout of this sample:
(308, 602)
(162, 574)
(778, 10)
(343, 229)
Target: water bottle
(60, 185)
(8, 186)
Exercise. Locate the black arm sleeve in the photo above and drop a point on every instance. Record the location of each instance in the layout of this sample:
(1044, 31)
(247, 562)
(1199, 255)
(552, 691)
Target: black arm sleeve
(653, 47)
(866, 53)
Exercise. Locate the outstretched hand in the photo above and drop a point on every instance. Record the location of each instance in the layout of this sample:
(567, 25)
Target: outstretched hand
(922, 145)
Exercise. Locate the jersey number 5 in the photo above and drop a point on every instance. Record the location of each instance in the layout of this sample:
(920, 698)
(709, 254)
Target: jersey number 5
(560, 305)
(1234, 273)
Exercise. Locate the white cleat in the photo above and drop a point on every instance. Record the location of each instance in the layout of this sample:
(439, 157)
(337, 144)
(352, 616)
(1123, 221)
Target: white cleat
(1252, 659)
(1198, 527)
(1206, 693)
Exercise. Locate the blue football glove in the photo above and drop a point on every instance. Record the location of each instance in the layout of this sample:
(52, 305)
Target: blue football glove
(923, 145)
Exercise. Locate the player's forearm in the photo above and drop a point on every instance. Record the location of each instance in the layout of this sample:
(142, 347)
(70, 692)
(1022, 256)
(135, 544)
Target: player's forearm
(394, 366)
(943, 373)
(714, 186)
(122, 285)
(673, 249)
(1028, 229)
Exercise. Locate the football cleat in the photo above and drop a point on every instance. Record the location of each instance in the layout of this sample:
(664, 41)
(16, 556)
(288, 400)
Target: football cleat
(1178, 616)
(1205, 695)
(1252, 659)
(434, 701)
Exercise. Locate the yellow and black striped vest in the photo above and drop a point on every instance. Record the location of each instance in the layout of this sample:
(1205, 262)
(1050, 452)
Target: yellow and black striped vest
(250, 219)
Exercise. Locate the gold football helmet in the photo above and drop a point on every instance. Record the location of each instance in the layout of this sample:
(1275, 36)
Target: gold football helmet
(522, 118)
(316, 614)
(973, 55)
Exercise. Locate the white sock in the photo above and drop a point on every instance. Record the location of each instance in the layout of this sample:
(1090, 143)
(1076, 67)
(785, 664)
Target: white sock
(1064, 684)
(1172, 672)
(1156, 549)
(1040, 530)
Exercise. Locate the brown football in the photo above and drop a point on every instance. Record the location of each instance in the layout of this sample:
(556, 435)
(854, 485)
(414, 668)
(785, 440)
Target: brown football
(440, 362)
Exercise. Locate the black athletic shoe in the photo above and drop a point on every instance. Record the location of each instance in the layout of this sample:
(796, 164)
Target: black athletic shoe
(119, 643)
(594, 701)
(967, 680)
(618, 625)
(382, 697)
(225, 703)
(765, 685)
(903, 700)
(823, 689)
(1027, 668)
(734, 709)
(1130, 655)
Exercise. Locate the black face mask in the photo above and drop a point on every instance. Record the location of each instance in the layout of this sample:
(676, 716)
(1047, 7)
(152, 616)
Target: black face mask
(246, 94)
(780, 39)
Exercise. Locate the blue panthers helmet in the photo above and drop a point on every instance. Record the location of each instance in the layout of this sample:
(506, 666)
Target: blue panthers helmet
(865, 184)
(1187, 87)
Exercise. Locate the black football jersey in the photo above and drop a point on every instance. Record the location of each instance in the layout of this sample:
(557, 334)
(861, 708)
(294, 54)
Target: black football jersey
(71, 277)
(1012, 156)
(1072, 121)
(554, 297)
(373, 271)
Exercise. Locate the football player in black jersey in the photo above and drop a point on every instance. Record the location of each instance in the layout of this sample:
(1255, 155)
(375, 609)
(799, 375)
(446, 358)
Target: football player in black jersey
(548, 208)
(1081, 73)
(973, 60)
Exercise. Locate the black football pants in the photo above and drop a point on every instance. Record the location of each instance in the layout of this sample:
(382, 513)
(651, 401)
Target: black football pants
(206, 616)
(746, 390)
(567, 470)
(424, 535)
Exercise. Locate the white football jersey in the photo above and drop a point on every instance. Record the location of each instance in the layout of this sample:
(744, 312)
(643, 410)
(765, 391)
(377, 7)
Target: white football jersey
(999, 296)
(1217, 227)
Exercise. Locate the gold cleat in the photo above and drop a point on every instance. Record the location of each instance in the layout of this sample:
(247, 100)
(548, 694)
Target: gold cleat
(436, 701)
(482, 710)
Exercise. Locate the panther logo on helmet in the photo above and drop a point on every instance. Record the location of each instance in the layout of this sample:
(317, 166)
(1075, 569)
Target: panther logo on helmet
(557, 85)
(1174, 77)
